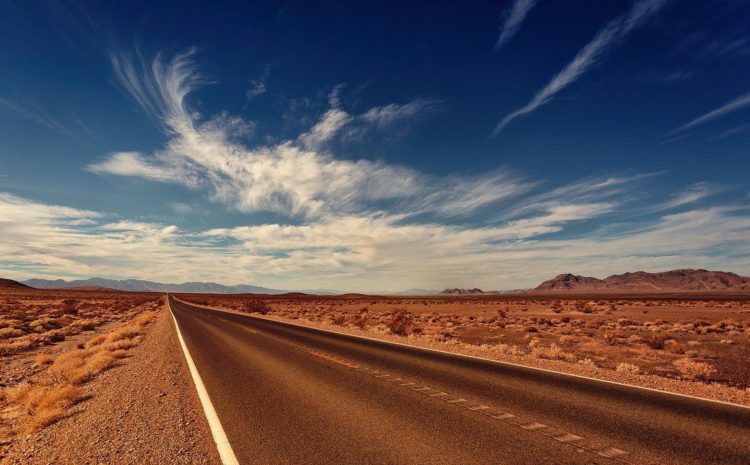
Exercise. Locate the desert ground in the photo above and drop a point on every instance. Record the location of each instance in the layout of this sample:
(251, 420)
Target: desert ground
(89, 376)
(98, 376)
(692, 343)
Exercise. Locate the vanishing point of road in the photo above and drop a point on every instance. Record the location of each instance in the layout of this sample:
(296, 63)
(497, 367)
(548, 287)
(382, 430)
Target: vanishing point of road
(287, 394)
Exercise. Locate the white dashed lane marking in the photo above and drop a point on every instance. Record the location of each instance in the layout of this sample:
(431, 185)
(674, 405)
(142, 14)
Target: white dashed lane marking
(478, 408)
(533, 426)
(567, 437)
(611, 452)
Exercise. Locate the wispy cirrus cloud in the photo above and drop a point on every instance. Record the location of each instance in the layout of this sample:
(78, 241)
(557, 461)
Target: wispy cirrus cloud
(608, 37)
(258, 85)
(513, 19)
(294, 177)
(729, 107)
(33, 113)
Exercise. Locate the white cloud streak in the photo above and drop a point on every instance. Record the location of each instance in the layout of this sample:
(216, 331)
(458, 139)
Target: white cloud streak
(608, 37)
(729, 107)
(513, 19)
(33, 113)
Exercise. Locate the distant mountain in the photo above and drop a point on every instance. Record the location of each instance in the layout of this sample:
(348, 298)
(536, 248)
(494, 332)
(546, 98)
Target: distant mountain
(10, 284)
(137, 285)
(676, 280)
(457, 291)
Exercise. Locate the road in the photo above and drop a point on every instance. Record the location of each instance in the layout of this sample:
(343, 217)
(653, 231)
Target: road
(287, 394)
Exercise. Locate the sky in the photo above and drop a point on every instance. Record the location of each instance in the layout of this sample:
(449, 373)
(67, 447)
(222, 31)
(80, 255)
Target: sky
(373, 147)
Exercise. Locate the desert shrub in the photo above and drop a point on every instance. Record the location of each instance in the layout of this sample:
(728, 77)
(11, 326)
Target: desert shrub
(7, 333)
(552, 352)
(587, 362)
(628, 368)
(401, 323)
(339, 319)
(656, 342)
(256, 306)
(568, 340)
(692, 369)
(502, 349)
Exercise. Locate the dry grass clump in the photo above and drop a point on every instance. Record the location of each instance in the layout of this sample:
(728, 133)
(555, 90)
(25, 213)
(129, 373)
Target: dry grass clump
(552, 352)
(7, 333)
(692, 369)
(628, 368)
(51, 399)
(45, 405)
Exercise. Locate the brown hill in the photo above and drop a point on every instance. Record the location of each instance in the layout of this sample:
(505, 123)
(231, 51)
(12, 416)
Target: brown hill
(457, 291)
(676, 280)
(10, 284)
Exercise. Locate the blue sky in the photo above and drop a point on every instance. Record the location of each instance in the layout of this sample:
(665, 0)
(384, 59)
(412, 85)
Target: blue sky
(373, 147)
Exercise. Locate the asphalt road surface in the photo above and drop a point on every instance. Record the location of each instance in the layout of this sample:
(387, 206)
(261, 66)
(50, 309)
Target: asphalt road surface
(286, 394)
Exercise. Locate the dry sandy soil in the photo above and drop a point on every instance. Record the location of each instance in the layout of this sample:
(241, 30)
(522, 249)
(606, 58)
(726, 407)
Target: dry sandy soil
(693, 344)
(95, 377)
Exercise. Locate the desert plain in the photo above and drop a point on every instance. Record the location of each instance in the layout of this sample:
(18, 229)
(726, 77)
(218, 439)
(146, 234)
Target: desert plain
(65, 352)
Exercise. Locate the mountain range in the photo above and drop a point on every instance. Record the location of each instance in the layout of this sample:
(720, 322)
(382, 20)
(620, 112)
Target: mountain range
(138, 285)
(675, 280)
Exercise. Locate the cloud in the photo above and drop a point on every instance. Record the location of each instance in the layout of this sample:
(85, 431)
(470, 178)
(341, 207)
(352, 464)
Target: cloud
(692, 194)
(130, 164)
(733, 131)
(160, 87)
(365, 252)
(323, 131)
(388, 115)
(662, 77)
(513, 19)
(294, 178)
(608, 37)
(729, 107)
(258, 85)
(33, 113)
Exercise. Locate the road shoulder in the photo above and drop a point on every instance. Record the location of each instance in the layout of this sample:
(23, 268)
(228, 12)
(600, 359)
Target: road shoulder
(144, 411)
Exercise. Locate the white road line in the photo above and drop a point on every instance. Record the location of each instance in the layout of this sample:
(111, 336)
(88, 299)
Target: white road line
(217, 431)
(503, 416)
(567, 437)
(478, 408)
(611, 452)
(533, 426)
